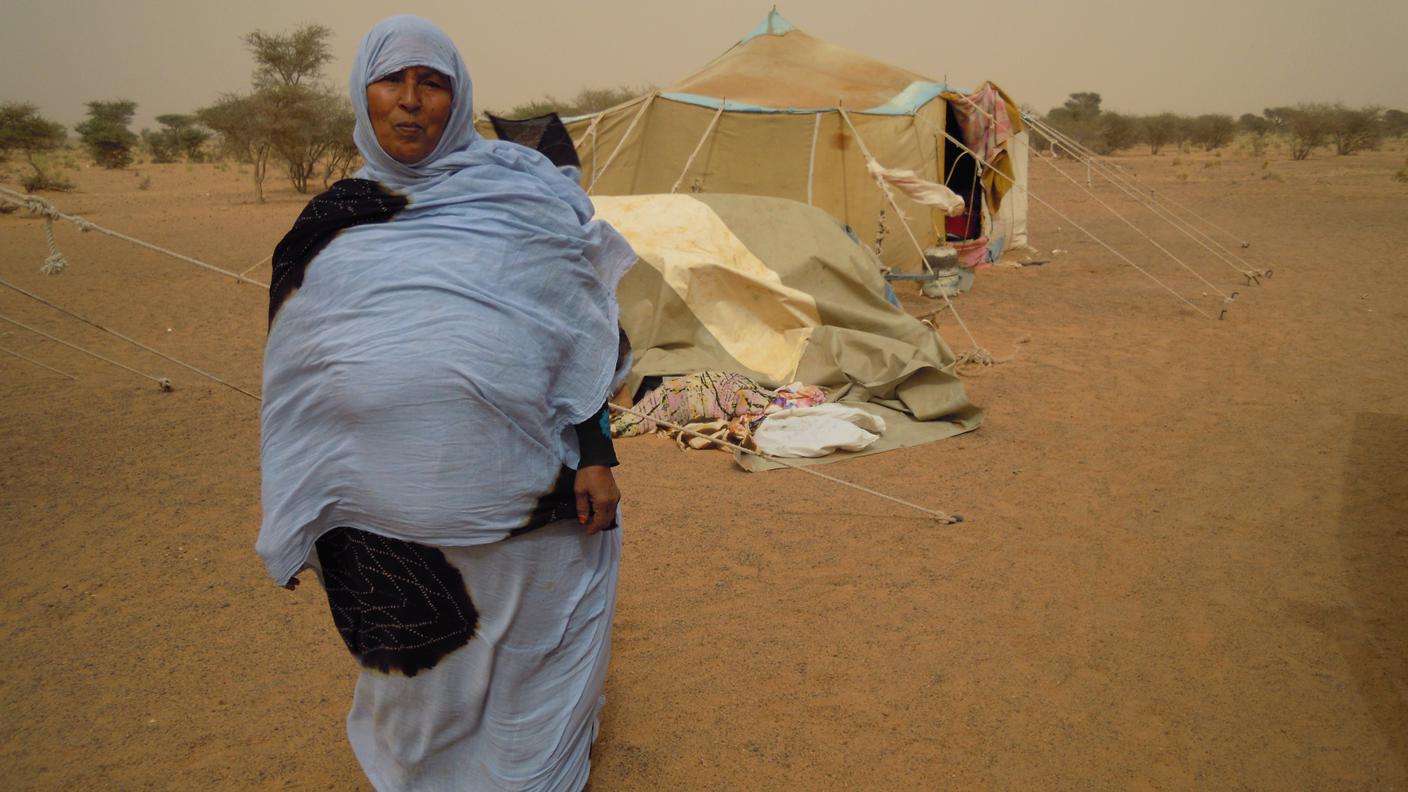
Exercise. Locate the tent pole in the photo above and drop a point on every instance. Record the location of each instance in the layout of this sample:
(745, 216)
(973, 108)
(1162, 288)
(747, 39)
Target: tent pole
(811, 160)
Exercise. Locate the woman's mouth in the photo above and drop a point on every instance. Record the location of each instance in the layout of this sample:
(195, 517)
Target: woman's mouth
(409, 128)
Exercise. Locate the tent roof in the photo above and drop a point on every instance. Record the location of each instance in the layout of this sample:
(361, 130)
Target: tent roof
(779, 68)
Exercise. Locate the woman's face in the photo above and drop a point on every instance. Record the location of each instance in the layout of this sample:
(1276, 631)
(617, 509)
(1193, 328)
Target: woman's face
(408, 110)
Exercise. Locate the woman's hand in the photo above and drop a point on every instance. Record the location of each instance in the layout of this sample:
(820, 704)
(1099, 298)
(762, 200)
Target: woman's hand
(292, 584)
(597, 497)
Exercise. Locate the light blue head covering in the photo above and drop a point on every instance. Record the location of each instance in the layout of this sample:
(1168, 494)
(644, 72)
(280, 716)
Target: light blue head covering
(394, 44)
(423, 381)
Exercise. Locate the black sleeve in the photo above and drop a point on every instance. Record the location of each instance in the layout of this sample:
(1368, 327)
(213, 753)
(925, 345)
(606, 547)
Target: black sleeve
(594, 439)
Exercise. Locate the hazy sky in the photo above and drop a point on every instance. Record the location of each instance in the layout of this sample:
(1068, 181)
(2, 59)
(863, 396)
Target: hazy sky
(1188, 56)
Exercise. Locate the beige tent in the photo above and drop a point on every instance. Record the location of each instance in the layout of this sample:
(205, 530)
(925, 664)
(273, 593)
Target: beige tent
(785, 114)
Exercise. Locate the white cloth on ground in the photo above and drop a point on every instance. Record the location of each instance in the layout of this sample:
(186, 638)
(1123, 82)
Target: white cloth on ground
(817, 431)
(517, 707)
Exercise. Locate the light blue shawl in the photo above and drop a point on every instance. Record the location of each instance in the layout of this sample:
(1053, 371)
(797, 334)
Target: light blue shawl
(424, 380)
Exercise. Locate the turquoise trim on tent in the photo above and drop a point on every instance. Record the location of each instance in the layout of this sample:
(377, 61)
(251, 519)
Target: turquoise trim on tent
(713, 103)
(774, 25)
(906, 102)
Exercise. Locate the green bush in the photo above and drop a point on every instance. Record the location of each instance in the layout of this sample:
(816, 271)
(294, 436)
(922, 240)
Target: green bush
(105, 133)
(24, 131)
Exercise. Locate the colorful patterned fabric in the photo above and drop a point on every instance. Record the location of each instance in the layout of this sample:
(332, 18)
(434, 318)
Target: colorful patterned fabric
(696, 398)
(724, 406)
(987, 127)
(797, 395)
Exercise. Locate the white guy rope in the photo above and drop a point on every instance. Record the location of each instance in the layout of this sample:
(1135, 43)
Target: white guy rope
(1132, 188)
(164, 383)
(1137, 229)
(689, 163)
(42, 207)
(37, 363)
(1082, 148)
(644, 105)
(56, 262)
(977, 354)
(131, 341)
(1077, 226)
(256, 264)
(1115, 174)
(941, 517)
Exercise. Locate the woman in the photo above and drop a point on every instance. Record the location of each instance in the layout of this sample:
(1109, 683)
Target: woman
(442, 341)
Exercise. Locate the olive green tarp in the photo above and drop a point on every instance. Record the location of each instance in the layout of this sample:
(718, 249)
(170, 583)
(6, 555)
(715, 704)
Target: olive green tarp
(778, 291)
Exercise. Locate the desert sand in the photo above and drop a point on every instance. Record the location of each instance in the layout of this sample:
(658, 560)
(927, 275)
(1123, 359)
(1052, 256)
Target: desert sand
(1182, 564)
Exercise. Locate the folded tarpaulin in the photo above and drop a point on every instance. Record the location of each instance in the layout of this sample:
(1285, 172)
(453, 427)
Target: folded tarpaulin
(776, 290)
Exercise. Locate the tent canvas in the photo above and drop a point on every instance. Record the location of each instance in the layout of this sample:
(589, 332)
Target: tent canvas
(779, 114)
(780, 292)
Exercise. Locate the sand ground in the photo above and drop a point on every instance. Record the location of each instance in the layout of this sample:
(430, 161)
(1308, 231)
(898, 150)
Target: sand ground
(1184, 563)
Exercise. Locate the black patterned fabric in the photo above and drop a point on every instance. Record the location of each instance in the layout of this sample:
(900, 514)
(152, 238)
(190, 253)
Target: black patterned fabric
(400, 606)
(347, 203)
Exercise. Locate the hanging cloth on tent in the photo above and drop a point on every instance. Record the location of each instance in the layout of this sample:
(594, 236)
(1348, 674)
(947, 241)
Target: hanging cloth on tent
(985, 122)
(919, 189)
(544, 134)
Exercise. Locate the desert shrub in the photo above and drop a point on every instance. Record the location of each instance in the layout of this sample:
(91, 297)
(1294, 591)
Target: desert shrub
(35, 182)
(1255, 143)
(1159, 130)
(1078, 119)
(24, 131)
(342, 154)
(1115, 132)
(1305, 126)
(1394, 123)
(1354, 130)
(289, 59)
(302, 127)
(181, 135)
(105, 133)
(1253, 124)
(161, 146)
(289, 116)
(1212, 131)
(242, 126)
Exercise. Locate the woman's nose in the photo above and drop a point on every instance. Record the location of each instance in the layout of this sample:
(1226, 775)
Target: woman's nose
(410, 95)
